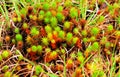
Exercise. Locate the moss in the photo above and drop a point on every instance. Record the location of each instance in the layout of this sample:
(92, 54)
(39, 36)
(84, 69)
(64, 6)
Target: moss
(19, 19)
(107, 44)
(95, 31)
(76, 30)
(18, 37)
(62, 51)
(34, 48)
(95, 46)
(67, 25)
(53, 22)
(48, 14)
(40, 17)
(23, 11)
(103, 40)
(73, 12)
(74, 40)
(14, 19)
(39, 48)
(69, 61)
(50, 36)
(5, 54)
(34, 31)
(81, 59)
(46, 6)
(58, 29)
(101, 19)
(85, 40)
(117, 33)
(41, 12)
(92, 38)
(38, 69)
(48, 50)
(5, 68)
(84, 33)
(60, 8)
(25, 25)
(7, 74)
(16, 30)
(34, 17)
(60, 17)
(53, 5)
(13, 41)
(109, 28)
(69, 37)
(47, 20)
(20, 57)
(31, 16)
(53, 55)
(48, 29)
(68, 3)
(61, 34)
(45, 41)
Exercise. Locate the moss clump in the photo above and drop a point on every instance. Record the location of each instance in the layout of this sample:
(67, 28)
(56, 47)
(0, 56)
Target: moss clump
(95, 46)
(38, 69)
(109, 28)
(48, 14)
(69, 37)
(7, 74)
(48, 29)
(60, 17)
(46, 6)
(45, 41)
(25, 25)
(47, 20)
(54, 22)
(84, 33)
(61, 34)
(5, 54)
(19, 19)
(16, 30)
(95, 31)
(34, 48)
(58, 29)
(60, 8)
(107, 44)
(73, 12)
(18, 37)
(39, 49)
(117, 33)
(85, 40)
(5, 68)
(74, 40)
(34, 31)
(92, 38)
(67, 25)
(76, 30)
